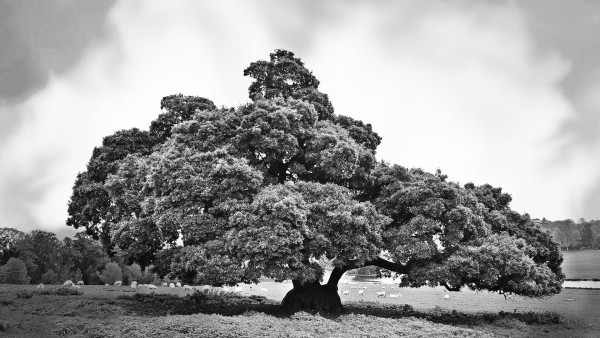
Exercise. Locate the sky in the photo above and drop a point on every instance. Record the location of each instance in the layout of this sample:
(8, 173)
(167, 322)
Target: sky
(498, 92)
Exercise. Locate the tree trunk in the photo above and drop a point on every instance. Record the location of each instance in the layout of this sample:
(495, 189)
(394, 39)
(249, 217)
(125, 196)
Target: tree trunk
(314, 296)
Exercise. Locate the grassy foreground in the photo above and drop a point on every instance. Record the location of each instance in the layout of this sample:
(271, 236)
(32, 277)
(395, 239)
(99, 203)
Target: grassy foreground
(114, 312)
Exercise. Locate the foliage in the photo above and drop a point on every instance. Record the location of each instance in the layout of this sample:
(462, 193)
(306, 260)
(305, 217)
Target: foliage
(133, 272)
(50, 277)
(587, 236)
(198, 302)
(14, 272)
(278, 185)
(149, 277)
(40, 250)
(572, 235)
(60, 291)
(111, 273)
(67, 291)
(568, 235)
(9, 239)
(24, 294)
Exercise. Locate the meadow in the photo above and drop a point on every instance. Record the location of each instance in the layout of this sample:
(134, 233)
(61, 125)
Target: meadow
(581, 264)
(110, 311)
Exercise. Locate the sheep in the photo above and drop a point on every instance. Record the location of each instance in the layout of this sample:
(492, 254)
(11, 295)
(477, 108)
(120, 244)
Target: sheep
(361, 292)
(187, 287)
(165, 284)
(178, 284)
(68, 283)
(381, 294)
(172, 286)
(106, 284)
(80, 282)
(446, 296)
(394, 295)
(134, 285)
(41, 286)
(152, 286)
(118, 283)
(346, 292)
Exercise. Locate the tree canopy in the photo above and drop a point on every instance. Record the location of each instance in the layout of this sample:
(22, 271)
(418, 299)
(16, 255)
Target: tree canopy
(274, 186)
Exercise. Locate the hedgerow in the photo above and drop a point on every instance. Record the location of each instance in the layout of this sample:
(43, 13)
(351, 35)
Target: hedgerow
(228, 304)
(62, 291)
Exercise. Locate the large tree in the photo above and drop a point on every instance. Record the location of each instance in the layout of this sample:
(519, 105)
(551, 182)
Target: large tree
(276, 186)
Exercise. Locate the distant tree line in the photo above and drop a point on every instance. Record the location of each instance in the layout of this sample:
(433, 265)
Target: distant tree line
(571, 235)
(40, 257)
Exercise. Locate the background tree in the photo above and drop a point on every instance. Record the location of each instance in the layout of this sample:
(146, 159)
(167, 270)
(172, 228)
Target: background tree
(567, 234)
(587, 236)
(111, 273)
(133, 272)
(14, 272)
(92, 258)
(50, 277)
(41, 252)
(276, 186)
(9, 238)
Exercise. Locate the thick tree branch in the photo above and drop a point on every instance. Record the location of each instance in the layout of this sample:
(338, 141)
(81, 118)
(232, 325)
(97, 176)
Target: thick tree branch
(335, 276)
(338, 272)
(449, 288)
(392, 266)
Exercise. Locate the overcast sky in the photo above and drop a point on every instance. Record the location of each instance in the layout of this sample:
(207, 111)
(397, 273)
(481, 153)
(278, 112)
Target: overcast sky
(498, 92)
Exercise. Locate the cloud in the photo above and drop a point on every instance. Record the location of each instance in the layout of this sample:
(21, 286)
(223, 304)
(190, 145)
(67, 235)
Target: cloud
(460, 86)
(40, 37)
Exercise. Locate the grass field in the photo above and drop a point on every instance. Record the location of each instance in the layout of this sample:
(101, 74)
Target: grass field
(581, 264)
(101, 312)
(108, 311)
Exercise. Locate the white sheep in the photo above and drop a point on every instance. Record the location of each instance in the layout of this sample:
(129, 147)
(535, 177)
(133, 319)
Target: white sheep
(446, 296)
(394, 295)
(178, 284)
(165, 284)
(381, 294)
(187, 287)
(40, 286)
(345, 292)
(68, 283)
(134, 285)
(361, 292)
(80, 282)
(118, 283)
(172, 286)
(152, 286)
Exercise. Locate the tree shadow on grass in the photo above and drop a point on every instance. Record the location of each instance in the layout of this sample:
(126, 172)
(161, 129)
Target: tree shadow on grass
(231, 304)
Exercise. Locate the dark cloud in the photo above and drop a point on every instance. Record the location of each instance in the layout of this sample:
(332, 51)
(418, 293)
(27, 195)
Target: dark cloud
(39, 37)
